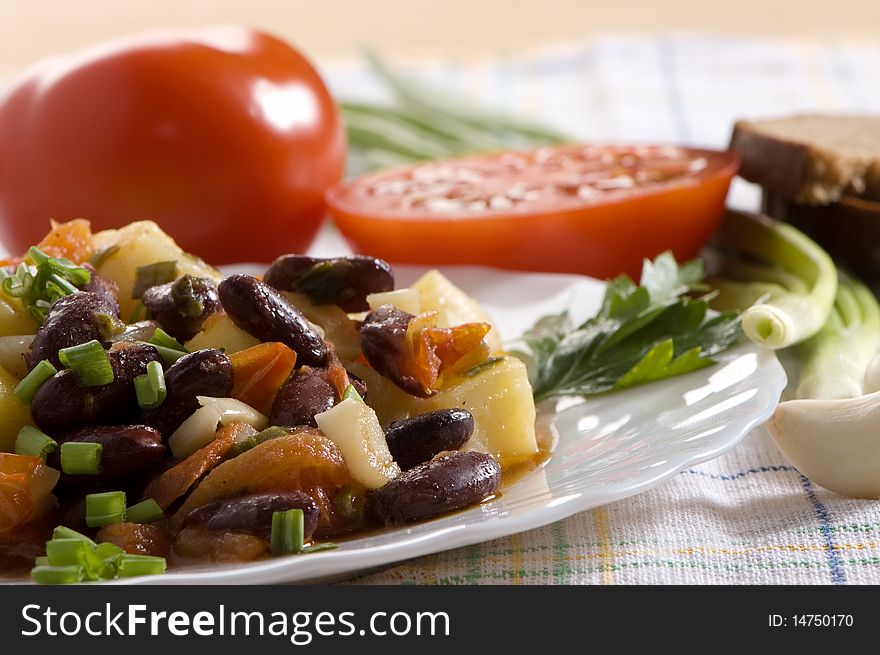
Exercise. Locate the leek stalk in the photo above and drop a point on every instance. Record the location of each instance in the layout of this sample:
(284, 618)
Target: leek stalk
(793, 280)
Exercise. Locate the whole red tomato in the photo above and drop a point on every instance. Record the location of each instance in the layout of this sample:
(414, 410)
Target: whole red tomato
(224, 136)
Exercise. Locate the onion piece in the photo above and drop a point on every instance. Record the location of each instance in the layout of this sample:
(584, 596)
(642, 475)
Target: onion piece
(199, 429)
(12, 351)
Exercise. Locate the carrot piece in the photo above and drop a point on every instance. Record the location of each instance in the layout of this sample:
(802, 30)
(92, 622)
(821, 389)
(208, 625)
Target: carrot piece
(71, 240)
(259, 371)
(177, 481)
(433, 353)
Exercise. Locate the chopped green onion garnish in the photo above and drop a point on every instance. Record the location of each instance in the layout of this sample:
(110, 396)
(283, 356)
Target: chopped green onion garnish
(168, 355)
(90, 362)
(288, 532)
(58, 574)
(103, 561)
(81, 458)
(107, 549)
(63, 284)
(98, 259)
(317, 548)
(351, 392)
(105, 508)
(152, 275)
(271, 432)
(66, 552)
(72, 557)
(150, 386)
(37, 256)
(145, 511)
(135, 565)
(33, 442)
(40, 285)
(185, 299)
(162, 338)
(28, 387)
(244, 445)
(136, 312)
(62, 532)
(350, 502)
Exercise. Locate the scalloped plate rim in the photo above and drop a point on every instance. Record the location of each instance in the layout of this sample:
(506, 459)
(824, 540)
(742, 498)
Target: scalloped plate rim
(348, 562)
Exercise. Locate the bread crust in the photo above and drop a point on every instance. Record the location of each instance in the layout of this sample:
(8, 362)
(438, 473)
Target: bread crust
(792, 157)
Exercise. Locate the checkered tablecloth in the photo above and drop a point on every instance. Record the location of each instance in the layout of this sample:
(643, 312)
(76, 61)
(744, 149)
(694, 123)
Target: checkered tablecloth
(747, 517)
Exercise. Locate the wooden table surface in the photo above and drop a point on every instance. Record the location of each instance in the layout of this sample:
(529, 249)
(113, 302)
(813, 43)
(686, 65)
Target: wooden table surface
(30, 29)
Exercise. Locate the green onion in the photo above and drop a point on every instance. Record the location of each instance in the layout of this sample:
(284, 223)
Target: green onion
(789, 314)
(33, 442)
(66, 552)
(81, 457)
(317, 548)
(288, 532)
(163, 339)
(135, 565)
(136, 312)
(152, 275)
(185, 299)
(427, 124)
(168, 355)
(833, 363)
(58, 574)
(350, 503)
(98, 259)
(40, 285)
(150, 386)
(107, 549)
(351, 392)
(105, 508)
(89, 362)
(146, 511)
(103, 561)
(62, 532)
(72, 557)
(28, 387)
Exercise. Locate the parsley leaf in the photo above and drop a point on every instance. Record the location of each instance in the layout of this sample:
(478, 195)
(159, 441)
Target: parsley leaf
(640, 334)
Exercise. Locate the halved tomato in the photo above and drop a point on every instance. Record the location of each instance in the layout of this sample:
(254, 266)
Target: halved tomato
(596, 210)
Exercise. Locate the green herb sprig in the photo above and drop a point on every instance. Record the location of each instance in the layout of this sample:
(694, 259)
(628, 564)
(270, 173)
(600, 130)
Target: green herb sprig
(39, 285)
(640, 334)
(423, 123)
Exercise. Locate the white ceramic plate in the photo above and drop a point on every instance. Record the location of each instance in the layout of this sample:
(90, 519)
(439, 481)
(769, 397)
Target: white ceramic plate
(608, 448)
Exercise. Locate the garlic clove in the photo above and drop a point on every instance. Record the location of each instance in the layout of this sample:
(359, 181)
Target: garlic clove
(835, 443)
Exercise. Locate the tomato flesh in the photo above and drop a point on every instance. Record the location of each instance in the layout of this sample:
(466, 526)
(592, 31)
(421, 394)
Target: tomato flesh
(226, 137)
(596, 210)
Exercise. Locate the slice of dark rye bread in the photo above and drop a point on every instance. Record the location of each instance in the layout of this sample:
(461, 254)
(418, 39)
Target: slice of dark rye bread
(848, 229)
(812, 159)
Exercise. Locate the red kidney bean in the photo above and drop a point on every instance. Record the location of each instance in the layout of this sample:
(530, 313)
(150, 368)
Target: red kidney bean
(61, 405)
(205, 372)
(183, 305)
(72, 320)
(305, 393)
(343, 281)
(383, 343)
(253, 514)
(105, 288)
(418, 439)
(441, 485)
(263, 312)
(127, 450)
